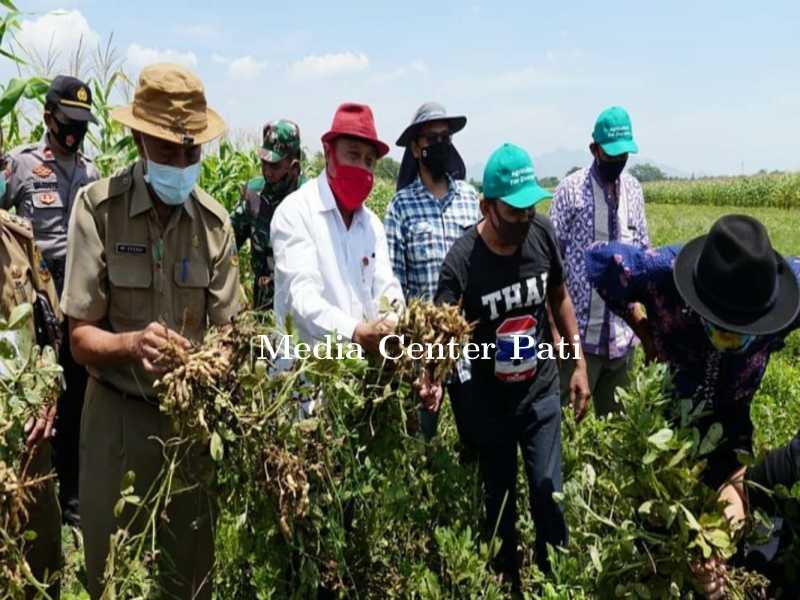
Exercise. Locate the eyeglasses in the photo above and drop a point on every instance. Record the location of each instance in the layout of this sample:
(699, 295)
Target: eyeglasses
(436, 137)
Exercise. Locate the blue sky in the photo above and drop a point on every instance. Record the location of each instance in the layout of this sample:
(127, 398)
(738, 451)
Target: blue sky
(711, 87)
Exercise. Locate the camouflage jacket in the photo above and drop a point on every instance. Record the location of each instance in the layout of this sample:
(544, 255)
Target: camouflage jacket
(251, 219)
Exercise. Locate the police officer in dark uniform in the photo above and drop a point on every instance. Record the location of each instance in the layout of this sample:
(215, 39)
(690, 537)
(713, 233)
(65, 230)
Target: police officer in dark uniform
(43, 180)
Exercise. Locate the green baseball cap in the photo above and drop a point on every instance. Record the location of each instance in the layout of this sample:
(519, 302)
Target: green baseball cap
(614, 133)
(509, 177)
(281, 139)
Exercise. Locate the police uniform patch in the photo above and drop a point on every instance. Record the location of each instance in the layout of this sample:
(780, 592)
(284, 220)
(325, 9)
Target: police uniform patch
(46, 198)
(42, 171)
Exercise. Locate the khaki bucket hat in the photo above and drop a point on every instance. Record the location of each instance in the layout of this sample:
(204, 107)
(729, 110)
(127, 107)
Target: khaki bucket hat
(170, 103)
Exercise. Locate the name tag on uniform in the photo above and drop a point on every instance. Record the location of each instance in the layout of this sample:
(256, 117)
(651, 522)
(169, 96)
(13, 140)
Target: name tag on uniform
(131, 249)
(45, 185)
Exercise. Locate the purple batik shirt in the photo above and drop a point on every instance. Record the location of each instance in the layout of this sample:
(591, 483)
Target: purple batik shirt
(585, 211)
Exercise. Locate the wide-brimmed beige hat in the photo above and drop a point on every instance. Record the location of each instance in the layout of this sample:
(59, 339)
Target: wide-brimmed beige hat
(170, 103)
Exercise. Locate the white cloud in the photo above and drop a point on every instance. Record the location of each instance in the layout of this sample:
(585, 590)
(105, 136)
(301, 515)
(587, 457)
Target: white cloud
(326, 65)
(245, 68)
(218, 59)
(415, 68)
(140, 56)
(58, 32)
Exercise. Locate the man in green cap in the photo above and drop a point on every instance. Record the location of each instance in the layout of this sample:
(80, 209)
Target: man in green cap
(251, 219)
(503, 272)
(600, 204)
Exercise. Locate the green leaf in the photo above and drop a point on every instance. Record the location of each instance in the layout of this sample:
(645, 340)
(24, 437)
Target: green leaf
(691, 520)
(36, 87)
(646, 508)
(649, 458)
(119, 507)
(744, 457)
(661, 439)
(590, 475)
(680, 454)
(128, 480)
(217, 450)
(12, 57)
(29, 535)
(711, 440)
(308, 425)
(594, 554)
(718, 538)
(12, 93)
(19, 315)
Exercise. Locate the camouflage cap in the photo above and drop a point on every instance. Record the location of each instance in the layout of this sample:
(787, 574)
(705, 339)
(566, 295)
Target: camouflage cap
(281, 140)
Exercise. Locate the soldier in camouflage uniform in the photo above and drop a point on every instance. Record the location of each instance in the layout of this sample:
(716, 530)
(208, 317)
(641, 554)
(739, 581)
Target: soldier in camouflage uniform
(251, 218)
(24, 279)
(43, 180)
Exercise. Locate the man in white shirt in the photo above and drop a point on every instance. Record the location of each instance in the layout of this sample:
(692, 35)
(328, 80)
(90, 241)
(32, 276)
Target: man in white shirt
(331, 259)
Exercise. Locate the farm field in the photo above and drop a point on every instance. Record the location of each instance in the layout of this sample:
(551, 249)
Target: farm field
(776, 413)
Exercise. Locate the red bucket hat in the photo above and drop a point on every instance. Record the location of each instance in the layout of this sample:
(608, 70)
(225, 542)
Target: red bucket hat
(355, 120)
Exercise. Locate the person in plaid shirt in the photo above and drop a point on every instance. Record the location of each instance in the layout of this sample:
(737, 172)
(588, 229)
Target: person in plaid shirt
(432, 208)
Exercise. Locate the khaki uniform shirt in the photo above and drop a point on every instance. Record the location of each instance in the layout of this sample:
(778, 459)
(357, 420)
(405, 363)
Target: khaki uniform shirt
(43, 191)
(22, 267)
(125, 271)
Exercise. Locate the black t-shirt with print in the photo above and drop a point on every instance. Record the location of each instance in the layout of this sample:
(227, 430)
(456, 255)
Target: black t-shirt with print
(506, 296)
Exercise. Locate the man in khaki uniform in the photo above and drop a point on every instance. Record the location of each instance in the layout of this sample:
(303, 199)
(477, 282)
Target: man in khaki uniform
(43, 179)
(149, 255)
(25, 279)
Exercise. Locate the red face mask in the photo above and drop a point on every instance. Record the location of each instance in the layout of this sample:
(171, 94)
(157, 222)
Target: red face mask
(351, 185)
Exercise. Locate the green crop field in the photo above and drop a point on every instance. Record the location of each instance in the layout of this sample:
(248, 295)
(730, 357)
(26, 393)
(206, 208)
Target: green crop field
(776, 191)
(445, 561)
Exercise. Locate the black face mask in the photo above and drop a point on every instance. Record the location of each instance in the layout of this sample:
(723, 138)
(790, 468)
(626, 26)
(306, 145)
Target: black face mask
(435, 158)
(512, 233)
(73, 132)
(610, 170)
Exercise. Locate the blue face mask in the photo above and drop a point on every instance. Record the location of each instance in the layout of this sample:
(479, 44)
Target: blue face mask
(2, 185)
(172, 184)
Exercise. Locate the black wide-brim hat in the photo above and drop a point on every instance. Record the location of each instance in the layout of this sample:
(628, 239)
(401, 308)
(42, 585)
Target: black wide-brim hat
(428, 112)
(733, 278)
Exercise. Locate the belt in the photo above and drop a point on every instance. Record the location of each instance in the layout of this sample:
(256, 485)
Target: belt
(151, 400)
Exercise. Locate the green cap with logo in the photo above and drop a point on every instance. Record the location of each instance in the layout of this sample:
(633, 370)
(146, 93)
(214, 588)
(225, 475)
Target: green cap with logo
(281, 140)
(509, 177)
(614, 133)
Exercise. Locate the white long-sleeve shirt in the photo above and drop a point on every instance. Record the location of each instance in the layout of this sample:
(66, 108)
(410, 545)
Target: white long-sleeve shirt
(328, 277)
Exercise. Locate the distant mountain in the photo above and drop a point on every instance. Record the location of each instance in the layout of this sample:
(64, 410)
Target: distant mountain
(558, 162)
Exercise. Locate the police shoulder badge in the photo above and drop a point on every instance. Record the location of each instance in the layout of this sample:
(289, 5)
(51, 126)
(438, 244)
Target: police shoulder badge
(42, 171)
